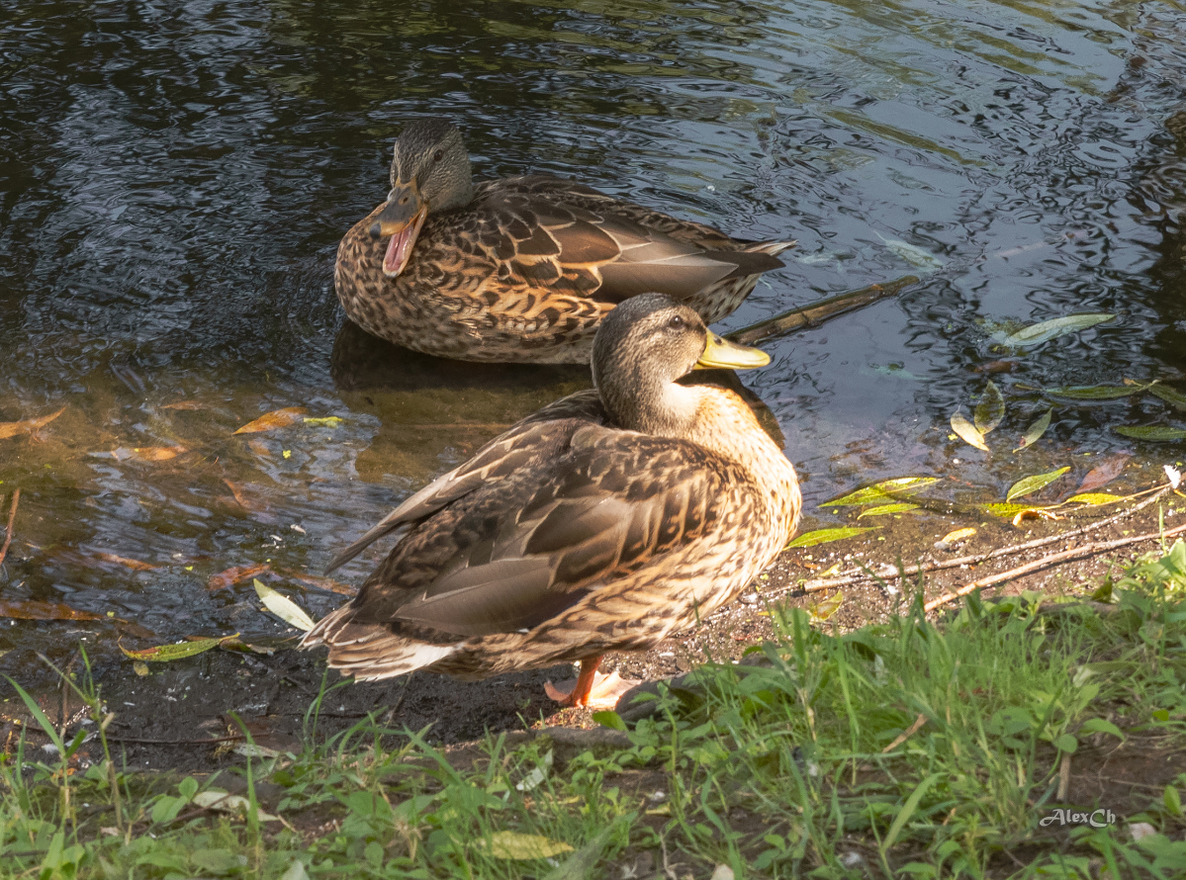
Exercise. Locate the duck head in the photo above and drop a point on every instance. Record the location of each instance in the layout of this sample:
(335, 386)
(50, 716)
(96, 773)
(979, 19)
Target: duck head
(430, 172)
(643, 347)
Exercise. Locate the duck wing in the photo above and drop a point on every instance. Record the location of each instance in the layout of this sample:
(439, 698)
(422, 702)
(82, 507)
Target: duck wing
(515, 553)
(526, 445)
(557, 233)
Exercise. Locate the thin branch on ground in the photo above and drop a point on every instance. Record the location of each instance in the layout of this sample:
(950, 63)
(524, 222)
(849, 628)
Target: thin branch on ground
(924, 568)
(1053, 559)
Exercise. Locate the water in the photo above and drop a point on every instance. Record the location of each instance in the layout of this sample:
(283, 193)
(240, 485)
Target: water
(174, 178)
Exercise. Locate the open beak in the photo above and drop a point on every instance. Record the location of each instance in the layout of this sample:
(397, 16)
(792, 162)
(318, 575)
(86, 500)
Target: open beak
(401, 218)
(719, 352)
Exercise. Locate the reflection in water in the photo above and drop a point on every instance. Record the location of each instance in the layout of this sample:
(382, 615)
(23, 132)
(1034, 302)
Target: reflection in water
(174, 179)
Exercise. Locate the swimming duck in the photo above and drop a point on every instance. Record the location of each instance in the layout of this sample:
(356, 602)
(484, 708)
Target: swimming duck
(603, 522)
(521, 269)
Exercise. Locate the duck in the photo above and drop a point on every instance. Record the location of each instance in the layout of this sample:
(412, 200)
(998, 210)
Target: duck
(605, 521)
(521, 269)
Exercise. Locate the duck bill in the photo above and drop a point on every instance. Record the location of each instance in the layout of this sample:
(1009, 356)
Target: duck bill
(401, 219)
(721, 353)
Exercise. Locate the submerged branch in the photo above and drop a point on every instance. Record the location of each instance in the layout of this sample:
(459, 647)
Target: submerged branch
(808, 316)
(16, 499)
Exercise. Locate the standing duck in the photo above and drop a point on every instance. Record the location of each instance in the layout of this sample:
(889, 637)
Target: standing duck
(603, 522)
(521, 269)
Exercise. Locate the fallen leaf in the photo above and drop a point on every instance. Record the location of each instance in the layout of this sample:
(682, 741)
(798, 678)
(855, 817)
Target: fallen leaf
(32, 609)
(1170, 396)
(134, 564)
(235, 575)
(283, 607)
(213, 799)
(1104, 472)
(277, 418)
(1094, 392)
(886, 509)
(912, 254)
(183, 404)
(158, 453)
(11, 429)
(516, 845)
(259, 447)
(1044, 331)
(1008, 510)
(1036, 430)
(990, 410)
(1156, 433)
(1093, 498)
(1034, 513)
(825, 536)
(322, 583)
(823, 610)
(1029, 485)
(176, 651)
(326, 422)
(886, 490)
(967, 431)
(957, 535)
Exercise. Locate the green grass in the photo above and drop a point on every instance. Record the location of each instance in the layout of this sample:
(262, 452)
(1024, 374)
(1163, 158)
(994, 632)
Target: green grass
(907, 749)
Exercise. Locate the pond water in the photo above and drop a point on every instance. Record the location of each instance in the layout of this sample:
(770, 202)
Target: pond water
(174, 178)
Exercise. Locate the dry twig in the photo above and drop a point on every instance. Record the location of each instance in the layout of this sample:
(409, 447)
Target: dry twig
(923, 568)
(1052, 559)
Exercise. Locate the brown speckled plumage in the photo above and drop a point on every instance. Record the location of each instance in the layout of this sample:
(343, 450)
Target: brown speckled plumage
(603, 522)
(524, 269)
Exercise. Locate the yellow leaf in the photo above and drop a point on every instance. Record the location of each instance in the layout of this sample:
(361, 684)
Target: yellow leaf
(957, 535)
(967, 431)
(277, 418)
(825, 609)
(11, 429)
(1093, 498)
(164, 653)
(283, 607)
(515, 845)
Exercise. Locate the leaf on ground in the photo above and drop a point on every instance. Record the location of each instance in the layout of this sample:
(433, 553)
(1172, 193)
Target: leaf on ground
(967, 431)
(609, 718)
(177, 651)
(1044, 331)
(580, 865)
(1104, 472)
(277, 418)
(1036, 430)
(1029, 485)
(183, 404)
(326, 422)
(134, 564)
(886, 490)
(825, 536)
(158, 453)
(516, 845)
(886, 509)
(1169, 395)
(28, 426)
(1009, 510)
(990, 410)
(213, 799)
(1034, 513)
(32, 609)
(1094, 392)
(823, 610)
(957, 535)
(283, 607)
(235, 575)
(1093, 498)
(322, 583)
(1157, 433)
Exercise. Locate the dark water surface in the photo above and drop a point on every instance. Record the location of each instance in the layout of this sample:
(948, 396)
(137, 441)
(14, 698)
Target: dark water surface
(174, 178)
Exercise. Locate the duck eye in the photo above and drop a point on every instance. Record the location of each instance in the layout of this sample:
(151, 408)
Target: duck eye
(438, 155)
(676, 323)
